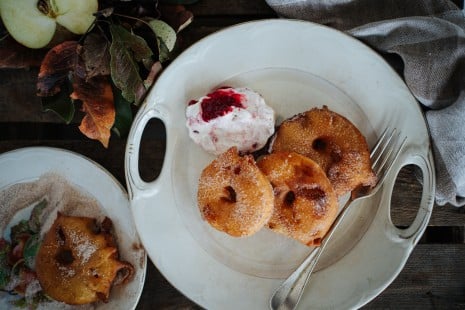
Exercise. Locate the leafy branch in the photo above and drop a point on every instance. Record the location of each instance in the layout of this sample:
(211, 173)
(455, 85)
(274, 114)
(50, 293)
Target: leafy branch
(108, 70)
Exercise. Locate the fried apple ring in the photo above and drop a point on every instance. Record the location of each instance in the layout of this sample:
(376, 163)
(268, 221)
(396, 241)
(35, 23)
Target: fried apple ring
(234, 196)
(305, 202)
(77, 262)
(333, 142)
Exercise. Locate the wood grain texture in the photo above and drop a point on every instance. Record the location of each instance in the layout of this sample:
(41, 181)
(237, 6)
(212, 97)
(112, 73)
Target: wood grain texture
(15, 55)
(433, 278)
(158, 293)
(434, 275)
(112, 159)
(230, 8)
(18, 100)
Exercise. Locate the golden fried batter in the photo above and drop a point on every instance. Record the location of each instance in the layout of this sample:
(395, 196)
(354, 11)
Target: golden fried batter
(333, 142)
(234, 196)
(77, 262)
(305, 202)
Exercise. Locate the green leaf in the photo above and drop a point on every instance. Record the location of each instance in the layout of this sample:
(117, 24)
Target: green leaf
(20, 303)
(123, 117)
(34, 219)
(19, 229)
(4, 276)
(61, 103)
(30, 250)
(32, 303)
(126, 50)
(165, 34)
(164, 53)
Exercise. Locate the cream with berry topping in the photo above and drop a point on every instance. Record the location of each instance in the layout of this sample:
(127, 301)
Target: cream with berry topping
(230, 117)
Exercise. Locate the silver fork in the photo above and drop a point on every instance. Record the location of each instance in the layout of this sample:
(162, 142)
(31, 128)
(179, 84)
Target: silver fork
(383, 155)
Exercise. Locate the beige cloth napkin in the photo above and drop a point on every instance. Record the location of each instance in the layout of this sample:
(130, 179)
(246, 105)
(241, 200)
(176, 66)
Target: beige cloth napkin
(429, 36)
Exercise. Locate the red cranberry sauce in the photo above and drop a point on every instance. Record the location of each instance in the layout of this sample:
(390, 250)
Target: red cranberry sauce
(220, 102)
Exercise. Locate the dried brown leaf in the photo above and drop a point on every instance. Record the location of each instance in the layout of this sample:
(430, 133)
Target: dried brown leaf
(55, 68)
(97, 102)
(96, 55)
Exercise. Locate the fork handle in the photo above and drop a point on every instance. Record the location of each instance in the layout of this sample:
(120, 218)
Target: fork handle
(288, 294)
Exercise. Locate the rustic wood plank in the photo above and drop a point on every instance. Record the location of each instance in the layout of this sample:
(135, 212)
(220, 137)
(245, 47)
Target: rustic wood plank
(20, 103)
(230, 8)
(202, 27)
(15, 55)
(241, 7)
(112, 159)
(444, 234)
(406, 200)
(433, 278)
(158, 293)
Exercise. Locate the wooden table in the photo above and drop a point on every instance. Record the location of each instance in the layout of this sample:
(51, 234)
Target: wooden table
(434, 276)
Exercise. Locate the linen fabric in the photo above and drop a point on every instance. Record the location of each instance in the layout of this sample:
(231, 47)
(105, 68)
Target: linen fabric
(429, 37)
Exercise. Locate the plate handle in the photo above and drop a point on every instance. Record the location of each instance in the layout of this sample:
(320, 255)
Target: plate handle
(413, 233)
(134, 182)
(409, 236)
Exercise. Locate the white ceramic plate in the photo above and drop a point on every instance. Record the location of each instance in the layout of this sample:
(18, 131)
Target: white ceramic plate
(28, 164)
(295, 65)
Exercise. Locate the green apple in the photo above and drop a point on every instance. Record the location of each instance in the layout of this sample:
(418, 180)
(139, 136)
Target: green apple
(34, 23)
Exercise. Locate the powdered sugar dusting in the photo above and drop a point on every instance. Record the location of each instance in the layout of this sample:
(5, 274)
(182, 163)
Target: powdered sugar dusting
(61, 196)
(84, 248)
(234, 196)
(66, 272)
(32, 288)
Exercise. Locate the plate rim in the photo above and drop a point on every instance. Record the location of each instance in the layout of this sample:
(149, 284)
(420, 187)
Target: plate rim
(136, 196)
(74, 156)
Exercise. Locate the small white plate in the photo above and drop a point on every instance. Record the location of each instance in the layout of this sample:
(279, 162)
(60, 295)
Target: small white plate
(28, 164)
(295, 66)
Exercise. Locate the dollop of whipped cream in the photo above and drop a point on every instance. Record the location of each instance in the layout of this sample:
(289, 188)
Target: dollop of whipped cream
(230, 117)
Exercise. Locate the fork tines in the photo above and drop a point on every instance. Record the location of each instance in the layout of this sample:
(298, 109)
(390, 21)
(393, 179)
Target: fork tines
(386, 151)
